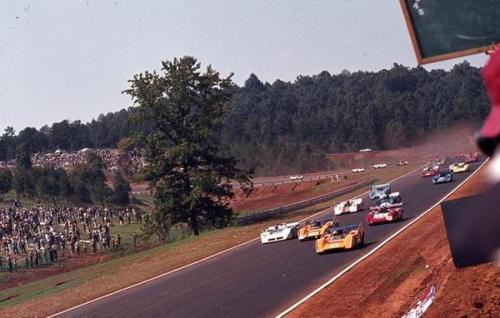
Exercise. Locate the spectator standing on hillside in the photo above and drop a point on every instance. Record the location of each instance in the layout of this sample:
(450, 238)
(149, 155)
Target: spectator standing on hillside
(134, 240)
(9, 261)
(31, 258)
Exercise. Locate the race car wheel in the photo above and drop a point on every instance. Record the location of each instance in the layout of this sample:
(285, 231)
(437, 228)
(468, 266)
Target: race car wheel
(362, 241)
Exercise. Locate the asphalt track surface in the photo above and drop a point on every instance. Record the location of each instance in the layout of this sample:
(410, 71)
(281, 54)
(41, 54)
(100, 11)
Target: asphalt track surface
(260, 280)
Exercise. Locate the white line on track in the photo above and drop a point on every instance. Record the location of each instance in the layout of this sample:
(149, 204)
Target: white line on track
(199, 261)
(365, 256)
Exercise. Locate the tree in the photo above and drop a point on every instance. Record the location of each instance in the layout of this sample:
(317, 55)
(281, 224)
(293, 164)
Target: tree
(23, 183)
(46, 183)
(23, 156)
(88, 181)
(5, 181)
(121, 189)
(184, 108)
(64, 185)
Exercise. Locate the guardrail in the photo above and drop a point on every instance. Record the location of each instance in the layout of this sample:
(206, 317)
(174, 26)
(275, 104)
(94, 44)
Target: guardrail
(317, 176)
(282, 210)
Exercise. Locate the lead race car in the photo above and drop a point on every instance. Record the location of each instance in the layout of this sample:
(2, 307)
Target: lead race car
(384, 214)
(316, 227)
(279, 232)
(470, 157)
(341, 237)
(349, 206)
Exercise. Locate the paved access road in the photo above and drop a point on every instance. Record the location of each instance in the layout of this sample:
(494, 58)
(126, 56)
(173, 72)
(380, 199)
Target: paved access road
(259, 280)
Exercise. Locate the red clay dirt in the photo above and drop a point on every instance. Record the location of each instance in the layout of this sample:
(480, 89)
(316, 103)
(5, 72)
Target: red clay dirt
(389, 283)
(67, 264)
(446, 143)
(275, 195)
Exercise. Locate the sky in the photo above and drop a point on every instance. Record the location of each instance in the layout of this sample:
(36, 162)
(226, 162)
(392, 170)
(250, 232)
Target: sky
(72, 59)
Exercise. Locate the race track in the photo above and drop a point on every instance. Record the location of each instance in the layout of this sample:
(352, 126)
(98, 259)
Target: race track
(259, 280)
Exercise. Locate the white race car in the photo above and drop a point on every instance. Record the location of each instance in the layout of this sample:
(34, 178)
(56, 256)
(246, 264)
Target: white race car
(279, 232)
(356, 170)
(349, 206)
(296, 178)
(379, 165)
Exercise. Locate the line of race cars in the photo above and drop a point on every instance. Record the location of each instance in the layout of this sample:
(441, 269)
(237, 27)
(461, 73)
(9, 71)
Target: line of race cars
(388, 207)
(380, 166)
(327, 231)
(440, 175)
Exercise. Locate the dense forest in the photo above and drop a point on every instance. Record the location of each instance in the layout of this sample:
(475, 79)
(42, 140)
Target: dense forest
(284, 126)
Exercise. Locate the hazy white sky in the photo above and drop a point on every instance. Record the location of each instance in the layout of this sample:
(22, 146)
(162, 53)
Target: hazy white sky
(71, 59)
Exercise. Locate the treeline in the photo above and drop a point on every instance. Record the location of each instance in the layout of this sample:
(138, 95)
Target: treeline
(284, 127)
(86, 184)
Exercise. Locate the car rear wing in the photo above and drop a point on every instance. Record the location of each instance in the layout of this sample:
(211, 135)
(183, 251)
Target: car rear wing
(321, 220)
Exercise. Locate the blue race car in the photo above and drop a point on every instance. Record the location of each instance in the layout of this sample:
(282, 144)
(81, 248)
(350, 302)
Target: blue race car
(379, 191)
(442, 177)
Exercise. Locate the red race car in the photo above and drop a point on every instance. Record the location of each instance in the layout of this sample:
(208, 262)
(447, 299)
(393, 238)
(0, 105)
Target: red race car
(384, 215)
(471, 157)
(430, 171)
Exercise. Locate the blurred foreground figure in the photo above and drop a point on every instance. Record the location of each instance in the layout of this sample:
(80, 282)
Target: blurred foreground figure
(489, 136)
(473, 223)
(473, 227)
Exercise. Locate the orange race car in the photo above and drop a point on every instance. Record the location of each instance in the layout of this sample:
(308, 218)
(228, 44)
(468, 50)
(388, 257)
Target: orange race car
(315, 228)
(341, 237)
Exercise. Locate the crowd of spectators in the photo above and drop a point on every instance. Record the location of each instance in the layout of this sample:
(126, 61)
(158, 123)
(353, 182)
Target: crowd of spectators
(112, 159)
(37, 236)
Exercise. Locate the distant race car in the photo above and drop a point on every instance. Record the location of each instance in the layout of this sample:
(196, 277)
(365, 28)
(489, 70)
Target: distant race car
(315, 228)
(379, 191)
(366, 150)
(391, 200)
(296, 178)
(349, 206)
(383, 215)
(439, 160)
(442, 177)
(458, 167)
(471, 157)
(430, 171)
(379, 165)
(356, 170)
(401, 163)
(341, 237)
(279, 232)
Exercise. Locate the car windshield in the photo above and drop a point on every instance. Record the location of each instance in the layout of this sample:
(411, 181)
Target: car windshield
(341, 230)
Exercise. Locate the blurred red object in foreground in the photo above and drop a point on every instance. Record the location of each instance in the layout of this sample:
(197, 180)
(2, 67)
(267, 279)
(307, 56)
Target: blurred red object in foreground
(489, 136)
